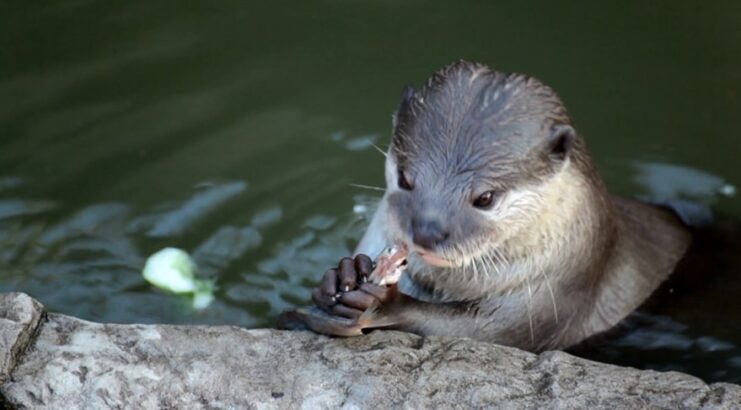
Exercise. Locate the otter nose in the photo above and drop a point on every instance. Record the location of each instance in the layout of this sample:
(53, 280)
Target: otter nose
(428, 234)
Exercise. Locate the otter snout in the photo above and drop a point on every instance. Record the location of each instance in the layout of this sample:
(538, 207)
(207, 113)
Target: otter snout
(428, 234)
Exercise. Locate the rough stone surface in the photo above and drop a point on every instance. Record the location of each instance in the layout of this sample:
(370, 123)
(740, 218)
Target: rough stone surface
(77, 364)
(19, 317)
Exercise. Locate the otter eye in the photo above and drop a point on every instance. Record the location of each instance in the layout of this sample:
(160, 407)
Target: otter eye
(404, 182)
(485, 200)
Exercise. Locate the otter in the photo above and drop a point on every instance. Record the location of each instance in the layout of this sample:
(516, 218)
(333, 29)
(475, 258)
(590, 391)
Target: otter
(513, 237)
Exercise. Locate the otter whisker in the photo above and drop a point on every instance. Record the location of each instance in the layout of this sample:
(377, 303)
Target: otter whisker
(497, 260)
(529, 310)
(370, 187)
(479, 269)
(475, 271)
(384, 153)
(550, 291)
(492, 263)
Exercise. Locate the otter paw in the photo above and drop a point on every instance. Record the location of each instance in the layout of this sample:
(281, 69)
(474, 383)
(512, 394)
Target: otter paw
(339, 291)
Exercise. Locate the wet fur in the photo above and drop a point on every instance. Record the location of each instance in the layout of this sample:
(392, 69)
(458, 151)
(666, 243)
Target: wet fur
(558, 259)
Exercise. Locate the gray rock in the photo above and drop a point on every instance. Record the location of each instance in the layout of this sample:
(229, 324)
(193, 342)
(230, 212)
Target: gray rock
(77, 364)
(19, 318)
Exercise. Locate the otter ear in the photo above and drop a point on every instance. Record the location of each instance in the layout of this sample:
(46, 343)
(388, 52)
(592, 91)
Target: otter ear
(407, 95)
(560, 141)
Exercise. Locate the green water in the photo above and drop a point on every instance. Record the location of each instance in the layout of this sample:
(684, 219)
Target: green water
(234, 130)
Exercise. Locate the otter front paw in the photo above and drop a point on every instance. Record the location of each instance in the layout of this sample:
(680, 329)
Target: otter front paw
(344, 290)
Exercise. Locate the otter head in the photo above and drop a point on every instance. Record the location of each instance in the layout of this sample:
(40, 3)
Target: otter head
(471, 158)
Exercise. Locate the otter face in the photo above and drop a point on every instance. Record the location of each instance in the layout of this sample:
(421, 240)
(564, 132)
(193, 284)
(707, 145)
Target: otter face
(470, 159)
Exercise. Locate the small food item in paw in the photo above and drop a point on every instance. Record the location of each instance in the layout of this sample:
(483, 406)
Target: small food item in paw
(389, 265)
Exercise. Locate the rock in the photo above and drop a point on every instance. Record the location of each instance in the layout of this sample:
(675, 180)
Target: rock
(19, 317)
(77, 364)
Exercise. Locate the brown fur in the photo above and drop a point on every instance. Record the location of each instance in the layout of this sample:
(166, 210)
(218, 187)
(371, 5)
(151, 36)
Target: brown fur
(583, 259)
(555, 260)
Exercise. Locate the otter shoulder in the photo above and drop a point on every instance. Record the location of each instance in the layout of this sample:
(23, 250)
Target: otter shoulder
(654, 236)
(651, 241)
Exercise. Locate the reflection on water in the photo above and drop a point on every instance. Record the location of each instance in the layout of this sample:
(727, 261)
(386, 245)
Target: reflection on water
(690, 192)
(10, 208)
(176, 221)
(90, 263)
(244, 133)
(659, 342)
(667, 182)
